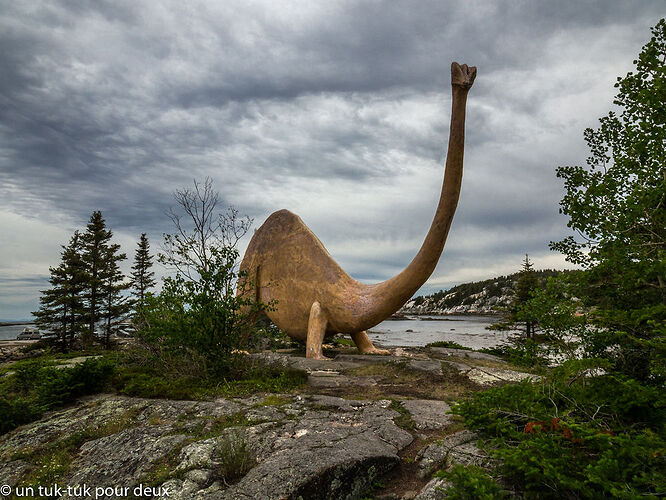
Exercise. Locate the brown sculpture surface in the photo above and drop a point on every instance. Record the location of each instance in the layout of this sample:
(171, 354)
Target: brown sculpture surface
(315, 297)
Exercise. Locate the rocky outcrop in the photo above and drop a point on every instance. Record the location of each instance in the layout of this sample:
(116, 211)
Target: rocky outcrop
(482, 302)
(314, 445)
(13, 350)
(481, 297)
(458, 448)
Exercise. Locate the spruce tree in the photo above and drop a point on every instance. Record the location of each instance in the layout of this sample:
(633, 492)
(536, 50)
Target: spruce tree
(62, 306)
(104, 279)
(525, 287)
(142, 276)
(113, 306)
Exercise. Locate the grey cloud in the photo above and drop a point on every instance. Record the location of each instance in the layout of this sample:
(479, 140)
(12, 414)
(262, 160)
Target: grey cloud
(113, 105)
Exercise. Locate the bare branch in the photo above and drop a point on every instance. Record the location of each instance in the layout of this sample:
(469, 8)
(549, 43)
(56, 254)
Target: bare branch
(199, 229)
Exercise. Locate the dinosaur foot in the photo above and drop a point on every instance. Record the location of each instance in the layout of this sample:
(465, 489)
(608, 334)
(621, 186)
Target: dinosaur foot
(317, 356)
(375, 350)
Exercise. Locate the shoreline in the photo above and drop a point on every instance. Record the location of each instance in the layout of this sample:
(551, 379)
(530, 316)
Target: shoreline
(410, 315)
(16, 323)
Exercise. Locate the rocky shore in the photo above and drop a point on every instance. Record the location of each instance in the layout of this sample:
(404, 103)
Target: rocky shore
(365, 426)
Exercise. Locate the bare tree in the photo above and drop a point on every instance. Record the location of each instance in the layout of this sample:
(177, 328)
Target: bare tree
(199, 228)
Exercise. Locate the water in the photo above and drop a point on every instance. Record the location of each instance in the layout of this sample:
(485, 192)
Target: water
(468, 331)
(10, 332)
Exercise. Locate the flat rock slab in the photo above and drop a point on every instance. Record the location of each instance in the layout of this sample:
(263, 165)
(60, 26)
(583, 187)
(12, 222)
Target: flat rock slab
(318, 447)
(326, 379)
(489, 376)
(72, 362)
(463, 353)
(348, 361)
(434, 490)
(417, 360)
(407, 353)
(306, 364)
(426, 365)
(365, 359)
(458, 448)
(428, 414)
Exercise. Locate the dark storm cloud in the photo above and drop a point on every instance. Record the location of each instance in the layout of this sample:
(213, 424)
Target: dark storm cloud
(337, 110)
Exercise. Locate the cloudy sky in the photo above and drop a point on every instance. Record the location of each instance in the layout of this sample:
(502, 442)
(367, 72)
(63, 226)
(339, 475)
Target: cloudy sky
(335, 110)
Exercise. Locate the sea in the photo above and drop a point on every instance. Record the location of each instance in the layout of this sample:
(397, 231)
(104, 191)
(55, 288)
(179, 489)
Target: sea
(468, 331)
(10, 332)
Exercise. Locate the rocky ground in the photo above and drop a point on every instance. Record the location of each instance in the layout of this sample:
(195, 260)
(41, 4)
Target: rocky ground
(12, 350)
(364, 427)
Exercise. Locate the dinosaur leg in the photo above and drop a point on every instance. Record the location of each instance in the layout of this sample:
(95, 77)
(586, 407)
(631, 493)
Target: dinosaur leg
(316, 331)
(365, 345)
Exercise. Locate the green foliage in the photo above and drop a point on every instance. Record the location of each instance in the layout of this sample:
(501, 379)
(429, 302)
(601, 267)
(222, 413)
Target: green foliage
(38, 386)
(608, 426)
(234, 456)
(527, 353)
(340, 341)
(448, 343)
(50, 468)
(62, 307)
(52, 460)
(404, 420)
(86, 287)
(31, 387)
(616, 204)
(104, 281)
(526, 286)
(470, 483)
(264, 335)
(204, 317)
(143, 373)
(198, 313)
(142, 276)
(560, 324)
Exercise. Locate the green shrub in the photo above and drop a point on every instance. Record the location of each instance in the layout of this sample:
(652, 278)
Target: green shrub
(522, 352)
(470, 483)
(38, 386)
(575, 436)
(234, 456)
(449, 344)
(141, 373)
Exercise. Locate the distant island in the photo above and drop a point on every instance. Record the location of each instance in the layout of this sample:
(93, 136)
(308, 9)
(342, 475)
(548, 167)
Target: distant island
(16, 323)
(479, 297)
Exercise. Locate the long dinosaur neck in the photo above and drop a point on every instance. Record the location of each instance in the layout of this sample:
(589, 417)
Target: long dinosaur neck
(383, 299)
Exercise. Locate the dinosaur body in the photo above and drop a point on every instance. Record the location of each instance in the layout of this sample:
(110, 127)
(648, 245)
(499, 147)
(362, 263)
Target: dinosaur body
(315, 297)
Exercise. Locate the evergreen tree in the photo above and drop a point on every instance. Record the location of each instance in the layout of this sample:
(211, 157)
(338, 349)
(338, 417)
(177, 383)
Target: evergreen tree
(527, 283)
(96, 240)
(114, 306)
(142, 276)
(104, 301)
(518, 316)
(62, 306)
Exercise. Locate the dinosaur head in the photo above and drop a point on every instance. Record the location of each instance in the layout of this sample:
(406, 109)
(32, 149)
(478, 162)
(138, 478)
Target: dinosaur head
(462, 76)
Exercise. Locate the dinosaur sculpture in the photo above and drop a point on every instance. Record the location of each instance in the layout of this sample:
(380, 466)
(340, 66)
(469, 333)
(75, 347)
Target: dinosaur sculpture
(315, 298)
